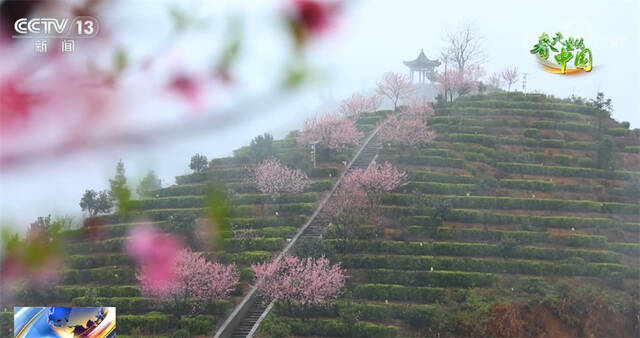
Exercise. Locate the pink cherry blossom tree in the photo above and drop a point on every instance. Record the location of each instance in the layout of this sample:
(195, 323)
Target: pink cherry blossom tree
(455, 82)
(274, 178)
(333, 131)
(308, 282)
(377, 179)
(395, 87)
(195, 282)
(406, 130)
(510, 76)
(358, 199)
(358, 104)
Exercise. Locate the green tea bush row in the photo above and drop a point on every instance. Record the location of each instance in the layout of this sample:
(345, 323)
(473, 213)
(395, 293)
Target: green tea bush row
(399, 293)
(478, 111)
(197, 325)
(524, 237)
(511, 203)
(428, 315)
(430, 278)
(631, 249)
(566, 107)
(123, 304)
(429, 176)
(226, 174)
(422, 265)
(111, 275)
(254, 244)
(539, 185)
(439, 188)
(434, 161)
(245, 258)
(564, 222)
(308, 197)
(336, 328)
(150, 323)
(477, 250)
(93, 261)
(272, 221)
(530, 169)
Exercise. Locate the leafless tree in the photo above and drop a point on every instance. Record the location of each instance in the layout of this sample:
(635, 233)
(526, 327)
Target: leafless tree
(395, 87)
(510, 76)
(465, 47)
(495, 80)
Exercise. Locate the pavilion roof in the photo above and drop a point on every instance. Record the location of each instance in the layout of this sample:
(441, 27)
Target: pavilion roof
(422, 61)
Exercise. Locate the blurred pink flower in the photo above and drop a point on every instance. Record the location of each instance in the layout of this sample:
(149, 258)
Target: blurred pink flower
(315, 16)
(188, 87)
(155, 253)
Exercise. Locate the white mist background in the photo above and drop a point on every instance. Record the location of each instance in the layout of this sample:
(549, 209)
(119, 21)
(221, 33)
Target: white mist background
(371, 38)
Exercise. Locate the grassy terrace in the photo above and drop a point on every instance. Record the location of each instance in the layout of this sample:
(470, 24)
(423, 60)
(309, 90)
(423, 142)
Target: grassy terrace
(507, 196)
(99, 272)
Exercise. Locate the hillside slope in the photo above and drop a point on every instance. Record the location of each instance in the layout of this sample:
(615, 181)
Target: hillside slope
(506, 227)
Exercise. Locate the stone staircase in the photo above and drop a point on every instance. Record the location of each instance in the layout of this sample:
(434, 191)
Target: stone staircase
(369, 153)
(246, 324)
(245, 319)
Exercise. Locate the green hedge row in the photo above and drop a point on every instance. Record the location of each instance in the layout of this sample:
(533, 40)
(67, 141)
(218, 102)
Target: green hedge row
(308, 197)
(511, 203)
(434, 161)
(132, 305)
(93, 261)
(477, 216)
(439, 188)
(566, 107)
(110, 275)
(631, 249)
(524, 237)
(466, 264)
(108, 245)
(273, 221)
(473, 249)
(150, 323)
(245, 258)
(539, 185)
(478, 111)
(531, 169)
(418, 316)
(429, 176)
(399, 292)
(485, 122)
(254, 244)
(226, 174)
(336, 328)
(429, 278)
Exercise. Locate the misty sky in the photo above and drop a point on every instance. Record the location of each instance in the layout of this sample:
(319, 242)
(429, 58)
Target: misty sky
(372, 37)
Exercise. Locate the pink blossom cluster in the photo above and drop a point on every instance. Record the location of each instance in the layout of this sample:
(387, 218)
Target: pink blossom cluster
(358, 104)
(459, 82)
(407, 129)
(379, 178)
(357, 198)
(193, 278)
(308, 281)
(273, 177)
(332, 131)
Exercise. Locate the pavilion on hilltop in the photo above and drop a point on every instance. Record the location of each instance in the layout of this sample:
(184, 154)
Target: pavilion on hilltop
(423, 66)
